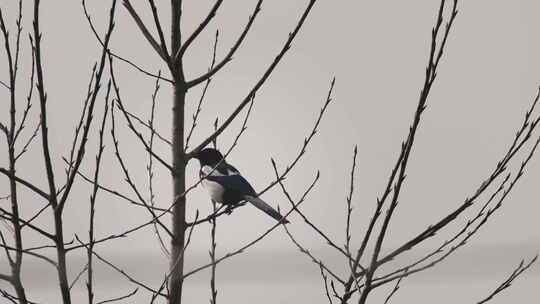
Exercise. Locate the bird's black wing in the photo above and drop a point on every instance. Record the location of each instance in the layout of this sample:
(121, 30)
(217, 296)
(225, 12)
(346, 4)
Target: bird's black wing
(234, 182)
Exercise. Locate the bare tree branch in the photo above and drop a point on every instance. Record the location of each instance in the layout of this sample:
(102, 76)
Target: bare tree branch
(129, 62)
(93, 196)
(261, 81)
(4, 85)
(6, 249)
(115, 192)
(30, 253)
(8, 296)
(29, 141)
(325, 280)
(122, 272)
(522, 267)
(486, 217)
(119, 298)
(521, 138)
(155, 14)
(130, 123)
(78, 276)
(159, 50)
(199, 29)
(11, 131)
(150, 166)
(5, 277)
(153, 131)
(430, 78)
(306, 220)
(393, 292)
(28, 99)
(25, 183)
(127, 175)
(203, 94)
(16, 218)
(233, 49)
(89, 116)
(318, 262)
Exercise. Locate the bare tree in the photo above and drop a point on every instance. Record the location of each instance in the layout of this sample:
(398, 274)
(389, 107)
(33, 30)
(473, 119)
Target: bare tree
(364, 264)
(57, 195)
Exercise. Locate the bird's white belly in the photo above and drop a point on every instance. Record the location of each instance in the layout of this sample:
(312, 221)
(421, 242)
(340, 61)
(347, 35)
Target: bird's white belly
(214, 189)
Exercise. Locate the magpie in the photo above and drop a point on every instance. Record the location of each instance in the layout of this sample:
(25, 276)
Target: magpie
(226, 185)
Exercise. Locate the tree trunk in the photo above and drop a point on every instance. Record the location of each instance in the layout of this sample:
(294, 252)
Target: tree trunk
(179, 186)
(179, 160)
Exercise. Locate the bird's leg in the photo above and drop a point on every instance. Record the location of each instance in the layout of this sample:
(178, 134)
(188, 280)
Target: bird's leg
(229, 209)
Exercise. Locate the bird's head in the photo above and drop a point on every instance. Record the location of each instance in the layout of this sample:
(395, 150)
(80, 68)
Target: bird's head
(208, 156)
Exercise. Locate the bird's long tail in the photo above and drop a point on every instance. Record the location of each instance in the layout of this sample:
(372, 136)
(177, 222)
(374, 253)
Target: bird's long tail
(262, 205)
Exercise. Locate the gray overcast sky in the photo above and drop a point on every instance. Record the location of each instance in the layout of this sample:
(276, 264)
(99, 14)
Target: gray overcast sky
(377, 51)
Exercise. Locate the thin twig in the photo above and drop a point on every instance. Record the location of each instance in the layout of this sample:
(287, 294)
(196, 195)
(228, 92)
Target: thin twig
(522, 267)
(119, 298)
(25, 183)
(114, 192)
(150, 167)
(29, 141)
(130, 123)
(310, 224)
(28, 99)
(159, 28)
(203, 94)
(127, 175)
(93, 196)
(78, 276)
(200, 28)
(5, 85)
(393, 292)
(89, 116)
(305, 251)
(123, 59)
(119, 270)
(31, 253)
(325, 280)
(142, 27)
(152, 130)
(14, 217)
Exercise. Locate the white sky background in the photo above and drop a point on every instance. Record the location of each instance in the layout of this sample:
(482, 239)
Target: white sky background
(377, 50)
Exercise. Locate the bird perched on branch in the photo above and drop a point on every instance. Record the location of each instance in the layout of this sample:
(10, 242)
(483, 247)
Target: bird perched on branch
(226, 186)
